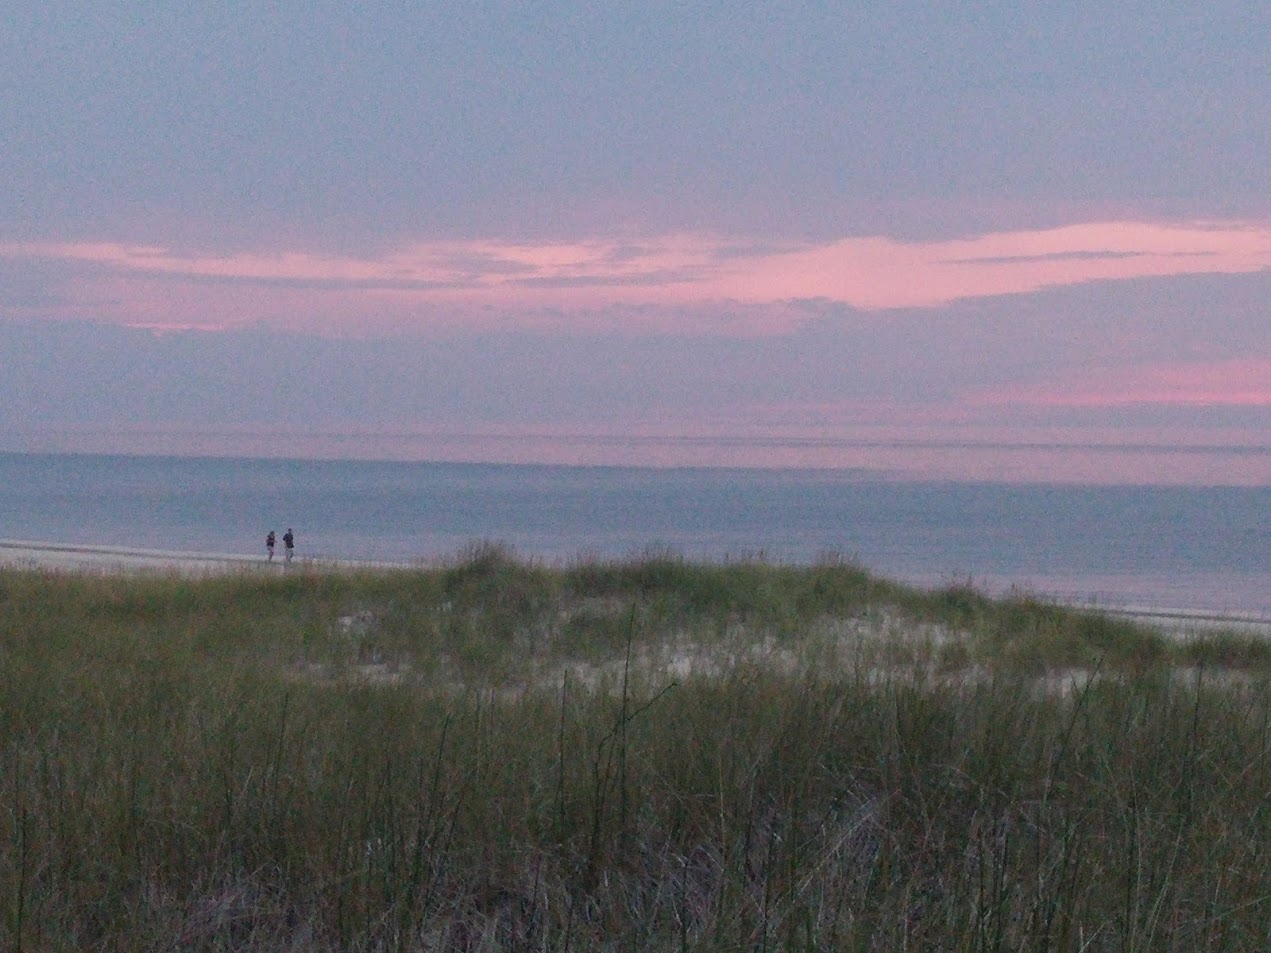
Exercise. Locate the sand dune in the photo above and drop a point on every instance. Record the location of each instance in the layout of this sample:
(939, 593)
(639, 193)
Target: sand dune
(81, 557)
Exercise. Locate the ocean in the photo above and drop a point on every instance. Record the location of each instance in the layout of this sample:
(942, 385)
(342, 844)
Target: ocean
(1196, 548)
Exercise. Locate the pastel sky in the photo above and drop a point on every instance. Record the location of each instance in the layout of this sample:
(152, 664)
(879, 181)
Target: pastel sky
(973, 241)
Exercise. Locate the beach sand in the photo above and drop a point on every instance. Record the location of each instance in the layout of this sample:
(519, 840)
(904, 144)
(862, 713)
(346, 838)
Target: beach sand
(82, 557)
(76, 557)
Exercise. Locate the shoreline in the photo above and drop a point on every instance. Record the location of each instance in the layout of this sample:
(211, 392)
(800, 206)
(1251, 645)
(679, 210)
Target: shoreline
(89, 557)
(92, 557)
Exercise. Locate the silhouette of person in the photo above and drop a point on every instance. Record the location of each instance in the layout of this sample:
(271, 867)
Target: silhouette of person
(289, 542)
(269, 545)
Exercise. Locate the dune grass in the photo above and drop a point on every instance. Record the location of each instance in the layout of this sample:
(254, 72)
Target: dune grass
(642, 755)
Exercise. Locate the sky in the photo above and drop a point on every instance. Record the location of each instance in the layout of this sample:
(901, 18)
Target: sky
(938, 240)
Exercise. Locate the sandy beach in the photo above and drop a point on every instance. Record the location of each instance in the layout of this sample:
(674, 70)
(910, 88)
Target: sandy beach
(76, 557)
(82, 557)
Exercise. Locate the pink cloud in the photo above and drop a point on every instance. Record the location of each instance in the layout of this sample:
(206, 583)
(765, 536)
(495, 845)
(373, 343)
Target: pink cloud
(1235, 383)
(871, 273)
(879, 273)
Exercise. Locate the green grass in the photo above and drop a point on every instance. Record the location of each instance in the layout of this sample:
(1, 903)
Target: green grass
(634, 755)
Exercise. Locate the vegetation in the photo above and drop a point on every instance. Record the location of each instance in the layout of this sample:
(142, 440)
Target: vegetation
(645, 755)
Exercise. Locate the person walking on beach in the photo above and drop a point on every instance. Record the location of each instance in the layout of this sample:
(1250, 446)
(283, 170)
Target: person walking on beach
(269, 545)
(289, 543)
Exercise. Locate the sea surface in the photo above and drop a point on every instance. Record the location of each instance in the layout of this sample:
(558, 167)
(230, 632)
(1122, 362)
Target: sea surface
(1196, 548)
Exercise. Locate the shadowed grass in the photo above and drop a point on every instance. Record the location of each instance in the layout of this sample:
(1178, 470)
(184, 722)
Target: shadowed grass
(648, 755)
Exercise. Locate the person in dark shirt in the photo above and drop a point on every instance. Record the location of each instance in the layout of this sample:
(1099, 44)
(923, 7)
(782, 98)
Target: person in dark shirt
(289, 542)
(269, 545)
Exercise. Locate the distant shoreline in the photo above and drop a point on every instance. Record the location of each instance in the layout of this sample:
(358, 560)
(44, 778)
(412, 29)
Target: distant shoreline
(102, 558)
(88, 557)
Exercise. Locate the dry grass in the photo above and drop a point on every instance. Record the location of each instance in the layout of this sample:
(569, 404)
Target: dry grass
(648, 755)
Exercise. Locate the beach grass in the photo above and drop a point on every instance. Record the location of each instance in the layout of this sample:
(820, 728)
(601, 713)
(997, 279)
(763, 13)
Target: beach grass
(648, 754)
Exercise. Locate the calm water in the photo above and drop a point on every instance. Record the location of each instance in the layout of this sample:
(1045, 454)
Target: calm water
(1184, 547)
